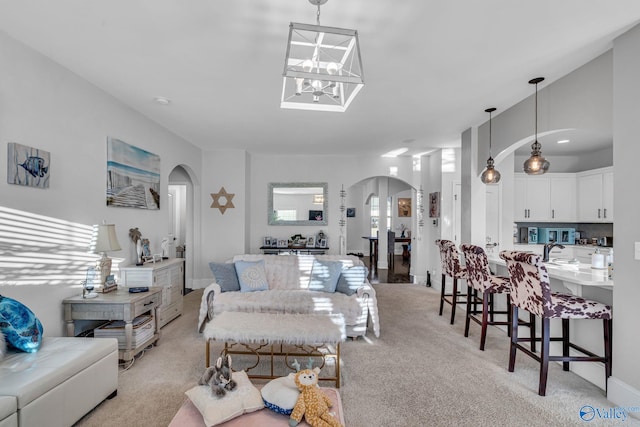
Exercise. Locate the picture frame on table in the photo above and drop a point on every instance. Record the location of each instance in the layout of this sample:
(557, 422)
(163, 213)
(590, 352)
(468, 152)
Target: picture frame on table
(311, 241)
(283, 243)
(266, 242)
(321, 243)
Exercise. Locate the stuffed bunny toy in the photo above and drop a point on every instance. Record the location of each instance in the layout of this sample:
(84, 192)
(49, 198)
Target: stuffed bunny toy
(218, 377)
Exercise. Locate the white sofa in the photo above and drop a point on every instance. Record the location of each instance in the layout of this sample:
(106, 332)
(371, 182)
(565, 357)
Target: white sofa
(288, 277)
(57, 385)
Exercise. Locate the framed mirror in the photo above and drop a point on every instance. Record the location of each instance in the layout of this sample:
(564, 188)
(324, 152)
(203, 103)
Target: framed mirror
(297, 203)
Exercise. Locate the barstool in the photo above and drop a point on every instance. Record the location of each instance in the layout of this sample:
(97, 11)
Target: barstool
(480, 279)
(531, 291)
(451, 267)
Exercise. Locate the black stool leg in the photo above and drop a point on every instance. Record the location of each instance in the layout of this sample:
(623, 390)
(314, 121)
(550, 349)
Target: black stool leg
(485, 314)
(514, 338)
(532, 331)
(468, 317)
(565, 343)
(544, 356)
(442, 293)
(454, 299)
(607, 324)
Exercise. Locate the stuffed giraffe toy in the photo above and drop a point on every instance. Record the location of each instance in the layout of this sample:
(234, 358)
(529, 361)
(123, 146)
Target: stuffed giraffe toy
(312, 403)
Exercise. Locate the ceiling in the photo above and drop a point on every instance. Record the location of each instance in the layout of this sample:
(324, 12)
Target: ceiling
(431, 67)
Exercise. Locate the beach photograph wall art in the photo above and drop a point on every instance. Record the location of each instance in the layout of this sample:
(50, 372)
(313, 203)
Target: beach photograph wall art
(133, 176)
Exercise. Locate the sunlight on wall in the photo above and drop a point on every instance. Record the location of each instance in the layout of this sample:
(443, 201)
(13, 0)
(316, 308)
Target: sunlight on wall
(448, 160)
(40, 250)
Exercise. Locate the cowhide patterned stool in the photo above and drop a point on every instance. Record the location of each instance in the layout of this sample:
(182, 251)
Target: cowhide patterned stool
(531, 291)
(451, 268)
(480, 279)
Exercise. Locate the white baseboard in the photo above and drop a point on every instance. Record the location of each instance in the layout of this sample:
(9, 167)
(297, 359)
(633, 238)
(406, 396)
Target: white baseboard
(624, 396)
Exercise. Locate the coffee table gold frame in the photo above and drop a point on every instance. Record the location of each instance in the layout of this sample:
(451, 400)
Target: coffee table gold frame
(288, 351)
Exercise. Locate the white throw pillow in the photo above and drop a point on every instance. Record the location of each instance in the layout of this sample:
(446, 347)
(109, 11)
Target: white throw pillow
(245, 398)
(281, 394)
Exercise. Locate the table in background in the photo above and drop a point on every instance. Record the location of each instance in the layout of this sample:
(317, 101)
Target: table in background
(373, 249)
(118, 305)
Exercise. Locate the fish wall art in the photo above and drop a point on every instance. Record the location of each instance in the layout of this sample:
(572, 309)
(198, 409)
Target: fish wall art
(28, 166)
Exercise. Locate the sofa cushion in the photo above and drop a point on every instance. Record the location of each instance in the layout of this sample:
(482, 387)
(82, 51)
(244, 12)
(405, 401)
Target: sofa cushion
(282, 271)
(225, 276)
(351, 279)
(20, 326)
(252, 276)
(29, 376)
(324, 275)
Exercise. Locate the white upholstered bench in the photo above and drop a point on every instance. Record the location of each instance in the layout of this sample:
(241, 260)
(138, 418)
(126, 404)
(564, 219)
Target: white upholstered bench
(271, 334)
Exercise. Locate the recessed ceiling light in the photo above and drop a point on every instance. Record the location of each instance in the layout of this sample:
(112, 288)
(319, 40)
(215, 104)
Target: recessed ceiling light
(396, 152)
(563, 141)
(162, 100)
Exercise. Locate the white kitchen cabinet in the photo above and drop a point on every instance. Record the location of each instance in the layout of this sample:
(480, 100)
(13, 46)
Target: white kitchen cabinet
(532, 198)
(595, 196)
(169, 274)
(563, 198)
(551, 197)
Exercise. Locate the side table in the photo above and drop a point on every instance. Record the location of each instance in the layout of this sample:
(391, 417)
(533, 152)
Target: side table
(118, 305)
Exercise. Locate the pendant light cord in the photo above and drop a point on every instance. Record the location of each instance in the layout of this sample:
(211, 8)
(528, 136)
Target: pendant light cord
(318, 15)
(536, 125)
(489, 133)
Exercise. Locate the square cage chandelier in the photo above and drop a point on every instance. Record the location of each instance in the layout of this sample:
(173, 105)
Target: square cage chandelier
(322, 67)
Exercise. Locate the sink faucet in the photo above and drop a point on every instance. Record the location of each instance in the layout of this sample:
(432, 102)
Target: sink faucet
(547, 250)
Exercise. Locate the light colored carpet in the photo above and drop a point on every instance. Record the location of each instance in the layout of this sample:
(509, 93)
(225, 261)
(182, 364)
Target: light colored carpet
(422, 371)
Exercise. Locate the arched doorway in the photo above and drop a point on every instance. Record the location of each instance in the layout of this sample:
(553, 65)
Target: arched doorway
(181, 221)
(376, 206)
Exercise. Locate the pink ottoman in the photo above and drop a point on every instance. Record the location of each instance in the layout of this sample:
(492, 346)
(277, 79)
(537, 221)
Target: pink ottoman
(189, 416)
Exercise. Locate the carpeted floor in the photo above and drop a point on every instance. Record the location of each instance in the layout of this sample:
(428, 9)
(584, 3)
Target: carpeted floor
(422, 371)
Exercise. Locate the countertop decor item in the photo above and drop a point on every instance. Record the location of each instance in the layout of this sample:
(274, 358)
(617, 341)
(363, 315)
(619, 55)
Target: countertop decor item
(490, 174)
(536, 164)
(322, 67)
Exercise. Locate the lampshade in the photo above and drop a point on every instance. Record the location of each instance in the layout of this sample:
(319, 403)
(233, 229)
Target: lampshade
(106, 239)
(322, 67)
(536, 164)
(490, 174)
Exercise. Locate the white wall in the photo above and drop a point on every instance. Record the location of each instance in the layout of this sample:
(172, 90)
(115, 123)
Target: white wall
(45, 106)
(624, 386)
(582, 100)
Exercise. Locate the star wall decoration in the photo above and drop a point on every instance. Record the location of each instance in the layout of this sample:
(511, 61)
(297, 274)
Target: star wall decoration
(225, 197)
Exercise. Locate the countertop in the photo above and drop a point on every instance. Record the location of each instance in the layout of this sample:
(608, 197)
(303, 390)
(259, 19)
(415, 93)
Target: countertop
(579, 274)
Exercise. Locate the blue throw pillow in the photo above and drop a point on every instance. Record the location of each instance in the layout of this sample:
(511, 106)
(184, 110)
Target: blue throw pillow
(21, 328)
(252, 276)
(225, 275)
(324, 275)
(351, 279)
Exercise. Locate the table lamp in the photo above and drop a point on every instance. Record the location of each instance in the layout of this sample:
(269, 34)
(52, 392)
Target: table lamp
(105, 241)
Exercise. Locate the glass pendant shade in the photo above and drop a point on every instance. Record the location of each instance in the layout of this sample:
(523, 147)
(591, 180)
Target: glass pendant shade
(536, 164)
(490, 174)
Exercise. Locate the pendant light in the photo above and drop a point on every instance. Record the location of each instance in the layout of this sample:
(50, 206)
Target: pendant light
(536, 164)
(490, 174)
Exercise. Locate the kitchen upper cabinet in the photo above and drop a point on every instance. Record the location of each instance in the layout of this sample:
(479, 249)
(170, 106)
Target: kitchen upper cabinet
(545, 198)
(595, 196)
(532, 198)
(563, 198)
